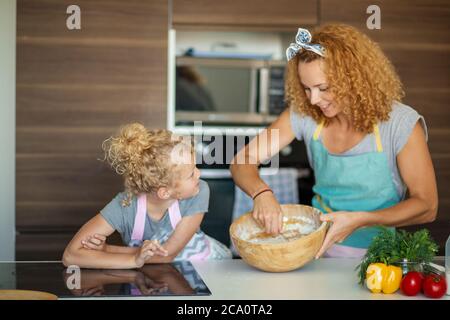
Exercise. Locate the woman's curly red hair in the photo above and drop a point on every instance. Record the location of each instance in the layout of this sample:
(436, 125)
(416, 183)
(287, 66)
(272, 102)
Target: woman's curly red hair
(361, 78)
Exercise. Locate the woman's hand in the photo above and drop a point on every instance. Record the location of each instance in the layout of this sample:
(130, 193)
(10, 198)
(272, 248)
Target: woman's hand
(267, 212)
(343, 223)
(149, 249)
(95, 242)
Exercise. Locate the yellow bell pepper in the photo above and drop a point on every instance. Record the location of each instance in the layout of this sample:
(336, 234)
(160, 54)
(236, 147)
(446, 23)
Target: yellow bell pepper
(380, 277)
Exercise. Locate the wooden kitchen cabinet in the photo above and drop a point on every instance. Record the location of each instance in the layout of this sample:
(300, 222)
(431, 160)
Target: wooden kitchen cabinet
(49, 245)
(74, 89)
(235, 14)
(407, 23)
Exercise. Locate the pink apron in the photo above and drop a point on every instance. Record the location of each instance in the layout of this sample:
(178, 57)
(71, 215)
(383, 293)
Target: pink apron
(195, 248)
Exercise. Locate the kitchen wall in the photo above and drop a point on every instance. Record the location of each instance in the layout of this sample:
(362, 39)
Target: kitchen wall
(7, 128)
(75, 87)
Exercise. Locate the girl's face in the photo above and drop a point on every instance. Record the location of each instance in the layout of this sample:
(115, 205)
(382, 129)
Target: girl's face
(187, 181)
(316, 87)
(186, 176)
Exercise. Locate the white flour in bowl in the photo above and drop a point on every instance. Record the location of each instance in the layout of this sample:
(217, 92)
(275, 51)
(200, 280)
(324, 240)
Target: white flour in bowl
(294, 227)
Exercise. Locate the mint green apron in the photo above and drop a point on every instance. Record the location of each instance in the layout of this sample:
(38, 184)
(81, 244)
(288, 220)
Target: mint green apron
(353, 183)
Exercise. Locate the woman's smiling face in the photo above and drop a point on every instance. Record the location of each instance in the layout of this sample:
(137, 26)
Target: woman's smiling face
(314, 81)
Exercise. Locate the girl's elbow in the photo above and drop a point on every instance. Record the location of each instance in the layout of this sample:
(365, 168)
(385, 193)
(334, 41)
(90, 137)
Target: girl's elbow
(67, 258)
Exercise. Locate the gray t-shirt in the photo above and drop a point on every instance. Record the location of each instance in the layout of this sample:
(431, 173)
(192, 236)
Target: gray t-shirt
(394, 134)
(122, 218)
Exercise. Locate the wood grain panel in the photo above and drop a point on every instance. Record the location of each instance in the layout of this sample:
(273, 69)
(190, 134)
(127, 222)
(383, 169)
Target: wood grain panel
(420, 69)
(48, 246)
(51, 140)
(41, 247)
(441, 165)
(72, 178)
(62, 164)
(432, 104)
(234, 13)
(58, 215)
(54, 63)
(90, 106)
(414, 22)
(74, 89)
(439, 140)
(100, 19)
(73, 187)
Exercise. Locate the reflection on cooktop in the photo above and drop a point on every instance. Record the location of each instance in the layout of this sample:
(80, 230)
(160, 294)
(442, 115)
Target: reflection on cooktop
(170, 279)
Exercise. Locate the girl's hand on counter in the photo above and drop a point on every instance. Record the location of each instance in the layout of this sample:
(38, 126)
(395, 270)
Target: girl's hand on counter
(95, 242)
(343, 223)
(148, 286)
(94, 291)
(149, 249)
(267, 212)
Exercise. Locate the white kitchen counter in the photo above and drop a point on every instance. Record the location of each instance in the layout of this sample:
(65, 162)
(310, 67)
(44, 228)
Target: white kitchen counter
(326, 278)
(323, 279)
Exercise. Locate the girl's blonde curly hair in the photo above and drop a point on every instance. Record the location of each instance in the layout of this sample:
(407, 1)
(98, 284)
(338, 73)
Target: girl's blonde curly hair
(361, 78)
(142, 157)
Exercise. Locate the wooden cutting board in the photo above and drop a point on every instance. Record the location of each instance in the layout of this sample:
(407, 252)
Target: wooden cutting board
(26, 295)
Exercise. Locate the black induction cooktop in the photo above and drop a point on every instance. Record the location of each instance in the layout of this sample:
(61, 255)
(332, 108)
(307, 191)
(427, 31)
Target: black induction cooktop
(170, 279)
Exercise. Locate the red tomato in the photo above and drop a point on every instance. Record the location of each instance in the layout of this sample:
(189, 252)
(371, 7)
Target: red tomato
(434, 286)
(411, 283)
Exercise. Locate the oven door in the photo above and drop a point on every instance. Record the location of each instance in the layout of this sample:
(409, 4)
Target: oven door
(217, 220)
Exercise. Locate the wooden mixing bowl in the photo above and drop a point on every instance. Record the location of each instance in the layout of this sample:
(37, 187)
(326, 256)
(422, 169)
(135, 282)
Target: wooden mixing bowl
(279, 257)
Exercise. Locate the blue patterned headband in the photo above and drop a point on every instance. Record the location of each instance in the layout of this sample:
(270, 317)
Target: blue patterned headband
(303, 41)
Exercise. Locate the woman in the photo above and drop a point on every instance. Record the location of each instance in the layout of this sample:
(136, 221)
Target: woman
(366, 148)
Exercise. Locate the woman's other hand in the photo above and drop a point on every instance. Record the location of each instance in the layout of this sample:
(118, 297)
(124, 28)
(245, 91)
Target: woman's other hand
(342, 224)
(267, 212)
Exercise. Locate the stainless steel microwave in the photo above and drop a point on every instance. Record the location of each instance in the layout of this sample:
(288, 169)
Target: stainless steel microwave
(223, 92)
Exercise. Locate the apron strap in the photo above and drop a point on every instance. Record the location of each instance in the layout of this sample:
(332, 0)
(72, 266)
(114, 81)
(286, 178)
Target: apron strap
(318, 130)
(376, 132)
(322, 204)
(174, 214)
(175, 218)
(139, 220)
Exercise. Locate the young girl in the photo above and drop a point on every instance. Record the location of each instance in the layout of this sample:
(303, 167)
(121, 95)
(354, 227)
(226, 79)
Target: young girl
(159, 213)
